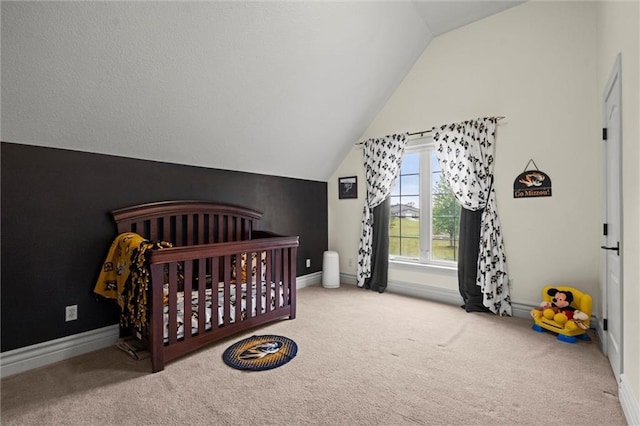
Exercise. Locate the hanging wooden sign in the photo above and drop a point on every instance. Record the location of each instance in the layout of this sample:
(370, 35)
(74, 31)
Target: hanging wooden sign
(532, 183)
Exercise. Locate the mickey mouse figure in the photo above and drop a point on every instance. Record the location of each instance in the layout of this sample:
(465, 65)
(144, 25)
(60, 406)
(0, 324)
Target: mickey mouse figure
(560, 302)
(561, 311)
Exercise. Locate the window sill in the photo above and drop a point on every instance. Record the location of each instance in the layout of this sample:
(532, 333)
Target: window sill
(404, 265)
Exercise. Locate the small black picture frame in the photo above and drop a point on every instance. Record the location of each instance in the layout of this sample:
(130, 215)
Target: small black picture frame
(347, 187)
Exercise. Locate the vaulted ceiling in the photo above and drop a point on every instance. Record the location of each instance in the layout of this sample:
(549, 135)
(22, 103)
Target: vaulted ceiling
(278, 88)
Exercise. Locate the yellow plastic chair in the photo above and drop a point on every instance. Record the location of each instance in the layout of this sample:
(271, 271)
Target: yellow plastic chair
(568, 330)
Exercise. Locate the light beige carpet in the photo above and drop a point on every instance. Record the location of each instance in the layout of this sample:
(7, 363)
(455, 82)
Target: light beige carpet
(363, 359)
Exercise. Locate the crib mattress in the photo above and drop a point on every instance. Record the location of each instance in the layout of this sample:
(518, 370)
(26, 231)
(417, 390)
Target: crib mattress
(180, 300)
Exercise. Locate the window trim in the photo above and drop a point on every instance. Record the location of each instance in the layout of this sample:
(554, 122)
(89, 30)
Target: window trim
(405, 264)
(425, 147)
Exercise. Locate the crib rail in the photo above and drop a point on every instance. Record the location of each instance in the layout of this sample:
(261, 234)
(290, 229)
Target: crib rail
(188, 222)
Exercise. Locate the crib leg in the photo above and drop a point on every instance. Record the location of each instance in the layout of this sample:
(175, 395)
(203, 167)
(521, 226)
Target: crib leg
(156, 365)
(157, 355)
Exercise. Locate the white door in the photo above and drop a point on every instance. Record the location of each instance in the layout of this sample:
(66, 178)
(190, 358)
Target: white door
(612, 248)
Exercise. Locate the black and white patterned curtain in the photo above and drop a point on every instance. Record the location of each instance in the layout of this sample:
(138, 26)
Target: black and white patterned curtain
(382, 160)
(465, 152)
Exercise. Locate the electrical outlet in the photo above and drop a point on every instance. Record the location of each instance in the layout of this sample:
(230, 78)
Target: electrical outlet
(308, 263)
(71, 313)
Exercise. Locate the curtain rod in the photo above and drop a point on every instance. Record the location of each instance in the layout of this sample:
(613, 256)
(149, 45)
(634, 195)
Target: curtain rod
(422, 133)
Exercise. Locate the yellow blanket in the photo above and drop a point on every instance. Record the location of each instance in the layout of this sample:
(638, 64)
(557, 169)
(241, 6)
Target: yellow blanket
(125, 277)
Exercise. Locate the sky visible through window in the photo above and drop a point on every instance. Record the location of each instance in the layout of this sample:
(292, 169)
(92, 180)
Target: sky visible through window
(409, 173)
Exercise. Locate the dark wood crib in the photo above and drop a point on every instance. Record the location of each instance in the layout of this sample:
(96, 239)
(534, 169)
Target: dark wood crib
(213, 246)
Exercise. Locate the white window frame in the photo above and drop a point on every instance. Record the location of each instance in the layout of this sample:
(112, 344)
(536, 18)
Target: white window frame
(426, 147)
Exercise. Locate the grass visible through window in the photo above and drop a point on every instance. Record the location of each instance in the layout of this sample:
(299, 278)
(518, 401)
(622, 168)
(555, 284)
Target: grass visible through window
(443, 248)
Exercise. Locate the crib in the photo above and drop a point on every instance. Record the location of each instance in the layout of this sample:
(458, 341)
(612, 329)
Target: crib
(217, 255)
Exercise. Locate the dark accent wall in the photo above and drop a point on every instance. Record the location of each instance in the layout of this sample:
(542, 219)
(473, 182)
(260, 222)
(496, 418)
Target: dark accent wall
(56, 227)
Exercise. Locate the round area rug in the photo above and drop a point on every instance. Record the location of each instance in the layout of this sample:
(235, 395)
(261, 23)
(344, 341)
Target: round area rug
(260, 352)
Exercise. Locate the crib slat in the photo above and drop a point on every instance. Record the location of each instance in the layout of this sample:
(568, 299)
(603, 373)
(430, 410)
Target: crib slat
(219, 235)
(215, 278)
(238, 288)
(137, 227)
(240, 232)
(189, 230)
(153, 229)
(246, 235)
(228, 224)
(201, 238)
(278, 278)
(267, 296)
(259, 284)
(213, 228)
(179, 231)
(249, 288)
(187, 308)
(226, 314)
(166, 228)
(172, 301)
(285, 278)
(202, 300)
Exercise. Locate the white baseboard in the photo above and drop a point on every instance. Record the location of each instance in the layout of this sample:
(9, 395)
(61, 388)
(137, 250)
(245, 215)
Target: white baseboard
(629, 403)
(438, 294)
(41, 354)
(309, 279)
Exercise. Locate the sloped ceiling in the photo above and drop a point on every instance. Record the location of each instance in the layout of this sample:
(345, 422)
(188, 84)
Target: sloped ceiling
(277, 88)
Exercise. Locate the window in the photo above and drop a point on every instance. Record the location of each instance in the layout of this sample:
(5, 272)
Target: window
(424, 216)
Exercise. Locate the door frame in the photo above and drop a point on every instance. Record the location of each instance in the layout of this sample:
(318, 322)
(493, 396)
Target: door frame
(617, 314)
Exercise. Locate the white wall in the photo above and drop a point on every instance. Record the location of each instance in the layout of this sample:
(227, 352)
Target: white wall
(618, 33)
(536, 65)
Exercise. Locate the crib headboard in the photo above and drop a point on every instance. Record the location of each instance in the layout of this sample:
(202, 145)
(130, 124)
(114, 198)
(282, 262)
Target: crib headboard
(188, 222)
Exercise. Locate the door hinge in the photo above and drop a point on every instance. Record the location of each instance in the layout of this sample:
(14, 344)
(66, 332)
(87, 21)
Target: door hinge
(605, 325)
(604, 133)
(605, 229)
